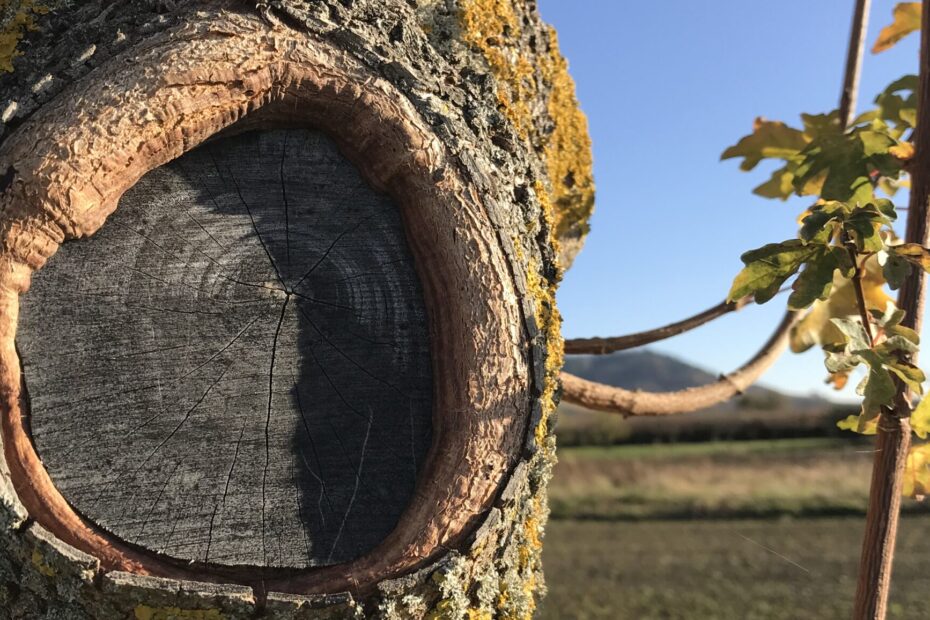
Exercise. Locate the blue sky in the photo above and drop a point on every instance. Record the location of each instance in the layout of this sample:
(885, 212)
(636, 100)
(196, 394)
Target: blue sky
(667, 86)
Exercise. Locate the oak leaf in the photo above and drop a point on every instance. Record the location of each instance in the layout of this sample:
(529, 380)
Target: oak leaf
(906, 19)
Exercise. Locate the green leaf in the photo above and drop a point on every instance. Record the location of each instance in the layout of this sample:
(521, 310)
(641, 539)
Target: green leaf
(857, 424)
(905, 332)
(879, 391)
(894, 269)
(768, 140)
(816, 125)
(780, 185)
(864, 226)
(875, 142)
(856, 338)
(814, 224)
(905, 82)
(895, 344)
(886, 208)
(897, 108)
(906, 17)
(920, 419)
(911, 375)
(890, 316)
(843, 162)
(768, 267)
(816, 280)
(840, 362)
(913, 253)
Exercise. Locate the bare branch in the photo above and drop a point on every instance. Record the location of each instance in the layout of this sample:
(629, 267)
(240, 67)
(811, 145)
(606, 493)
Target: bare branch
(854, 52)
(602, 397)
(602, 346)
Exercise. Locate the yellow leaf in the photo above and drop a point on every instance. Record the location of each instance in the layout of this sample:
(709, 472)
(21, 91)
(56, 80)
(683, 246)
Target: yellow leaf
(803, 215)
(768, 140)
(906, 21)
(816, 327)
(838, 379)
(920, 419)
(903, 151)
(917, 472)
(856, 424)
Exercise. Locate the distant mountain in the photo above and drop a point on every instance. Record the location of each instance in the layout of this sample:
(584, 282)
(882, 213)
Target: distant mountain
(656, 372)
(638, 370)
(759, 413)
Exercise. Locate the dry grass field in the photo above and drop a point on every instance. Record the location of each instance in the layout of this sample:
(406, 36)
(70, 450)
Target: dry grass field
(761, 530)
(789, 569)
(814, 476)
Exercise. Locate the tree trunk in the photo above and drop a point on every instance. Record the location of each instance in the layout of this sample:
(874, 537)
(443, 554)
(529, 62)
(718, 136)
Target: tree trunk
(277, 321)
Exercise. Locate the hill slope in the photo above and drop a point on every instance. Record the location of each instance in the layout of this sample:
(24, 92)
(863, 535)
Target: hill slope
(760, 413)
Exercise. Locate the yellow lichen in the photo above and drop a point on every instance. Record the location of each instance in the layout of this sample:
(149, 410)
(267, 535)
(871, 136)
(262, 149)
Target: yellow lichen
(41, 565)
(549, 320)
(532, 530)
(18, 17)
(491, 27)
(565, 195)
(444, 610)
(144, 612)
(568, 149)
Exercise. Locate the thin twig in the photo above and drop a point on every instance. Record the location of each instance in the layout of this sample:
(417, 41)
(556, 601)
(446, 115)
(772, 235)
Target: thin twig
(602, 346)
(854, 62)
(857, 287)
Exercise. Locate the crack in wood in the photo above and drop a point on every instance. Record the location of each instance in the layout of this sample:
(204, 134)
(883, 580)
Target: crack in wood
(274, 349)
(224, 349)
(248, 210)
(222, 502)
(358, 482)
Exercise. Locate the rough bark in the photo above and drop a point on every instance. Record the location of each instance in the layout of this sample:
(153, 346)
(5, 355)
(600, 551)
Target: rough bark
(463, 114)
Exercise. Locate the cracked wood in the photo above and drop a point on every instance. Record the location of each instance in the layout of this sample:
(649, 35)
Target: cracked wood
(235, 369)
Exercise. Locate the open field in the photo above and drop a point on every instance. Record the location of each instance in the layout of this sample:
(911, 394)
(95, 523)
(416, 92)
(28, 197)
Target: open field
(798, 477)
(648, 532)
(788, 569)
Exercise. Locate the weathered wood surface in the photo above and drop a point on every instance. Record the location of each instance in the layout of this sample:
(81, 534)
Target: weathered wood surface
(235, 369)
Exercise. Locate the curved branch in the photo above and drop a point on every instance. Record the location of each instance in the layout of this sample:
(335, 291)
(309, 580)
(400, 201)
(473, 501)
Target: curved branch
(602, 397)
(602, 346)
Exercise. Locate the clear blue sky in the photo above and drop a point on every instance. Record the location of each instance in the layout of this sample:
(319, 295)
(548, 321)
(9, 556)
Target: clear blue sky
(667, 86)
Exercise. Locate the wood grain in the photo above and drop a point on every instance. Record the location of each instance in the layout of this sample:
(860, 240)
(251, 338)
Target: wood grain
(235, 369)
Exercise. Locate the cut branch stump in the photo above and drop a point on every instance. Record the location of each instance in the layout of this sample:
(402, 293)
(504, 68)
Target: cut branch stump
(277, 321)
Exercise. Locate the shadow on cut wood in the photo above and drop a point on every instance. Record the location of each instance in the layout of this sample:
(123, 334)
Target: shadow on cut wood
(235, 369)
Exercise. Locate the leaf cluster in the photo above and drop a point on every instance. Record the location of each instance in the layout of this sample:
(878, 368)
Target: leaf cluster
(885, 358)
(822, 160)
(846, 250)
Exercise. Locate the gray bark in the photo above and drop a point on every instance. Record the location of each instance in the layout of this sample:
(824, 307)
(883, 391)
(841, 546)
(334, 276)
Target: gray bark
(423, 50)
